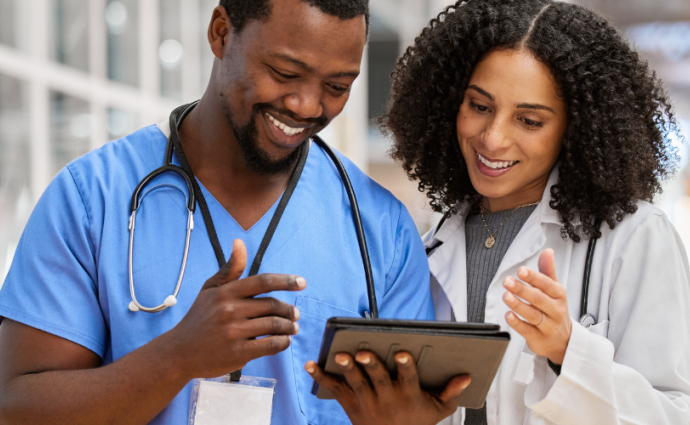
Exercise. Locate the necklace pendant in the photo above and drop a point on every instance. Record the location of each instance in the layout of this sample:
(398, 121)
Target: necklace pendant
(490, 241)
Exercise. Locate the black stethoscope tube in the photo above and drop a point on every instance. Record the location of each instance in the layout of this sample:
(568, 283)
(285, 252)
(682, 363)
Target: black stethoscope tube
(357, 218)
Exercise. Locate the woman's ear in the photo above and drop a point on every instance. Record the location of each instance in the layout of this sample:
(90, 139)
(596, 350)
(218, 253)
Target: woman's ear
(219, 31)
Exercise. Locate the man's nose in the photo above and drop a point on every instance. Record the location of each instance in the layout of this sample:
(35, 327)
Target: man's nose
(306, 103)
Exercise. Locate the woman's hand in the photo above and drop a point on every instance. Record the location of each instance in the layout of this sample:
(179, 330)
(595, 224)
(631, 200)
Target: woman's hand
(385, 401)
(547, 325)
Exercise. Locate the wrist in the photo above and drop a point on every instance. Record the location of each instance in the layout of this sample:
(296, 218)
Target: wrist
(171, 358)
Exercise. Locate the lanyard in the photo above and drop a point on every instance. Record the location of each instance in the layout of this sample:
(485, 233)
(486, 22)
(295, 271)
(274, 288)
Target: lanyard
(176, 118)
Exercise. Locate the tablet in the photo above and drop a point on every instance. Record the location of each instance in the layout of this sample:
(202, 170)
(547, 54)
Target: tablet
(441, 350)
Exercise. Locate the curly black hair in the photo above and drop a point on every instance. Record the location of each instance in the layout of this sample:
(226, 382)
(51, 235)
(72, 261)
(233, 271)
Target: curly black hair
(242, 11)
(616, 149)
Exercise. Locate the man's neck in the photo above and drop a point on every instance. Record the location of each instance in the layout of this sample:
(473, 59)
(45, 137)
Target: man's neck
(216, 159)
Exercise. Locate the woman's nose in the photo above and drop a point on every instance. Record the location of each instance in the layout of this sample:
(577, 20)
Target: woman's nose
(496, 136)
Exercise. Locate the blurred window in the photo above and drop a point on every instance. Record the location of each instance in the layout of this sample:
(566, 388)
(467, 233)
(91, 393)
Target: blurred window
(121, 18)
(120, 123)
(382, 57)
(68, 34)
(15, 167)
(7, 30)
(206, 12)
(170, 52)
(384, 49)
(71, 125)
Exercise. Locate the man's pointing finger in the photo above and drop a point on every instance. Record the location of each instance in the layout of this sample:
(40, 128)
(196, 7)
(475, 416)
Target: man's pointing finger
(233, 269)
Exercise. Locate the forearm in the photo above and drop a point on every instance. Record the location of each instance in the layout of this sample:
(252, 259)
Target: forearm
(132, 390)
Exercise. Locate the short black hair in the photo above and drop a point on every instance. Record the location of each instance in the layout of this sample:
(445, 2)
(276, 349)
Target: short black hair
(617, 147)
(242, 11)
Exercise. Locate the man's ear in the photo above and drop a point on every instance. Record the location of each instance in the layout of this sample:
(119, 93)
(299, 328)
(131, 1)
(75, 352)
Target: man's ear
(219, 31)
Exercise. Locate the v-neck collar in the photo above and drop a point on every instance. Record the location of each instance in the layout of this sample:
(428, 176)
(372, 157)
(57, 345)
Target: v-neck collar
(216, 209)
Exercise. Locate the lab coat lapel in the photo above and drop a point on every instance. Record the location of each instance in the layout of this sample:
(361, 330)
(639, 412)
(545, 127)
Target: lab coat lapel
(448, 262)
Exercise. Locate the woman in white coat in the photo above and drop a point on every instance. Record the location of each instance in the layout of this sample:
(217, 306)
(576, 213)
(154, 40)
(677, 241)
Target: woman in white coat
(536, 129)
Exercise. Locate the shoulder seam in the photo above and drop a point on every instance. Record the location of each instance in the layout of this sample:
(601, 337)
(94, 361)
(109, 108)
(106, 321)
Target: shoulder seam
(86, 210)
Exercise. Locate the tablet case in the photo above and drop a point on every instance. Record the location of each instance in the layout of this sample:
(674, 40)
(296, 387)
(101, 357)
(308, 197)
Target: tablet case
(441, 350)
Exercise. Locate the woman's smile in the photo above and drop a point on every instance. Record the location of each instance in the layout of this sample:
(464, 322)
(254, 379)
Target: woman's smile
(493, 168)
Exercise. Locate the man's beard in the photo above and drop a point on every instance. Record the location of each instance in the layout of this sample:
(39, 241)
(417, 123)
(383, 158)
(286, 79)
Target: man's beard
(256, 158)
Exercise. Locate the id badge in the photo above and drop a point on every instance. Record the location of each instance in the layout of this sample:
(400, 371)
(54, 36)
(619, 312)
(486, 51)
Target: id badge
(219, 401)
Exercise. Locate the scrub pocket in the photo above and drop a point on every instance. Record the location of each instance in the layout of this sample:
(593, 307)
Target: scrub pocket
(306, 346)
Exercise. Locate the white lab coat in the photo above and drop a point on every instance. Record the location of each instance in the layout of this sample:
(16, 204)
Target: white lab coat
(632, 367)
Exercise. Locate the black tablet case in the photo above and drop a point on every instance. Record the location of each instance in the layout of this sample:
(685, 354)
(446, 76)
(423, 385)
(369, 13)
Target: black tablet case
(441, 350)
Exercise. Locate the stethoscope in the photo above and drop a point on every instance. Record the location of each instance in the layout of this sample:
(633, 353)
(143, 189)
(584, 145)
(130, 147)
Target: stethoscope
(586, 319)
(195, 195)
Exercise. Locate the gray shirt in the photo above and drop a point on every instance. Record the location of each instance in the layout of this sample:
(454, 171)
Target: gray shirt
(482, 265)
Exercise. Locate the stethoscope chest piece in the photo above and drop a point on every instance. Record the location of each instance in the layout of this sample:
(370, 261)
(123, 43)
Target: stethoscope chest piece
(588, 320)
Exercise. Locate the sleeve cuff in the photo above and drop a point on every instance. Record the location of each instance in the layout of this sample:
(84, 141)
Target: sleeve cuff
(555, 367)
(587, 361)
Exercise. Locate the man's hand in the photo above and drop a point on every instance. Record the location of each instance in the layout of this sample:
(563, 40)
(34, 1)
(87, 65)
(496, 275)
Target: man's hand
(219, 333)
(384, 401)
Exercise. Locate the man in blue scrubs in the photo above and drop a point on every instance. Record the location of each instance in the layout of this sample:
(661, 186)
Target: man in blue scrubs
(72, 351)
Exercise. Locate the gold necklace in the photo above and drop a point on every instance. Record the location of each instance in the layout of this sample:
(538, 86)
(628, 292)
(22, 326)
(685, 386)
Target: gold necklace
(491, 240)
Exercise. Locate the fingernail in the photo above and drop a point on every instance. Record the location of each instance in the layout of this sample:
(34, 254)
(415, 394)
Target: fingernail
(509, 297)
(301, 282)
(310, 368)
(364, 360)
(343, 362)
(403, 360)
(296, 313)
(508, 283)
(466, 384)
(522, 272)
(296, 326)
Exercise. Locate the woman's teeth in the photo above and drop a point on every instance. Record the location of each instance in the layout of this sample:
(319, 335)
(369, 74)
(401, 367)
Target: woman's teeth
(289, 131)
(495, 165)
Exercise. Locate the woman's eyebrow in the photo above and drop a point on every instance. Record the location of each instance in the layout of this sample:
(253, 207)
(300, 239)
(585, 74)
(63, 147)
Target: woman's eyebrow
(522, 105)
(481, 91)
(535, 106)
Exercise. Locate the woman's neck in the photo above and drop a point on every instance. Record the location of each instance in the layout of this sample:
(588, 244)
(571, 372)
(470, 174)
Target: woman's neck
(528, 195)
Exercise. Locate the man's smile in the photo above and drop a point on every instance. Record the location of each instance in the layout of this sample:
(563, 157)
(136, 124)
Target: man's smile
(285, 128)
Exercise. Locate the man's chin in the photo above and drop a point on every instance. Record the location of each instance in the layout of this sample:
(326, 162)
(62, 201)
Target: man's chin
(264, 162)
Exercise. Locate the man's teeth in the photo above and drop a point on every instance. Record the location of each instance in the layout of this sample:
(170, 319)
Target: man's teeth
(287, 130)
(495, 165)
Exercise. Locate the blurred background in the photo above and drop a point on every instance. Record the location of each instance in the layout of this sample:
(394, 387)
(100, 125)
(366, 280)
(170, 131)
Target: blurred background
(75, 74)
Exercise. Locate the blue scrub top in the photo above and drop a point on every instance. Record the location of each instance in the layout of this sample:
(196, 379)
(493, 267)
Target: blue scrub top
(69, 276)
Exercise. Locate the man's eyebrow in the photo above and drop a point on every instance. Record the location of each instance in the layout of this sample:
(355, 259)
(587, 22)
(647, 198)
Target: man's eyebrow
(306, 67)
(481, 91)
(288, 58)
(535, 106)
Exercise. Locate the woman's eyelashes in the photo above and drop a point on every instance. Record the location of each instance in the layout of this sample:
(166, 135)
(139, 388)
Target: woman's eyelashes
(532, 123)
(483, 109)
(479, 108)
